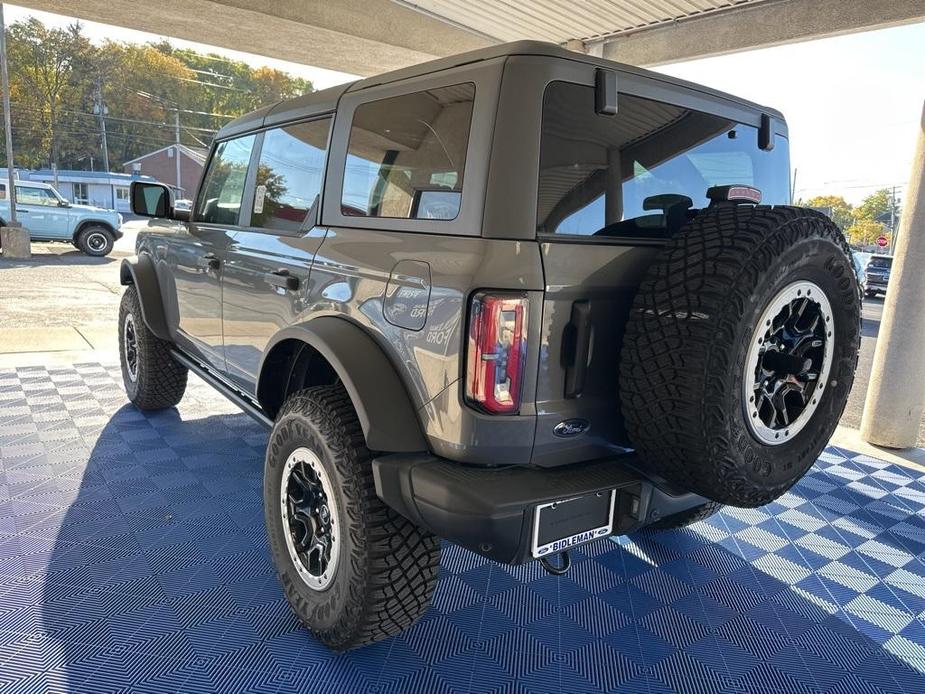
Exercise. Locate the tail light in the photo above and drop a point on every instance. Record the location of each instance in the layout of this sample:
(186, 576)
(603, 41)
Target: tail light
(496, 350)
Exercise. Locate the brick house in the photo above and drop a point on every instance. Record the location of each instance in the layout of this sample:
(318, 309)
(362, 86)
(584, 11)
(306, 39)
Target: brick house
(161, 164)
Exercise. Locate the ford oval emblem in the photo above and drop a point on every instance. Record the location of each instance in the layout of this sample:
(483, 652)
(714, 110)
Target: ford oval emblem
(570, 427)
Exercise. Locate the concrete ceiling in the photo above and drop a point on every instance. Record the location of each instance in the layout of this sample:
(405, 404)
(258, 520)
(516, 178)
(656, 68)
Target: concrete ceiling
(366, 37)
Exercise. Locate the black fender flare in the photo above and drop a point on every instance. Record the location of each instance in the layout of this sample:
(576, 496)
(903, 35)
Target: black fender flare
(383, 406)
(140, 272)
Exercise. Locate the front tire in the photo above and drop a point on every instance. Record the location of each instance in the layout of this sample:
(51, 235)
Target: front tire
(740, 351)
(152, 379)
(353, 570)
(96, 241)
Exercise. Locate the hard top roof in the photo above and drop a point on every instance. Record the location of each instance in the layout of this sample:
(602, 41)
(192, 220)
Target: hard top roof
(326, 99)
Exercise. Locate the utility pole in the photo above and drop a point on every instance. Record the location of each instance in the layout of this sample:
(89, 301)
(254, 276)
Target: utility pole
(101, 111)
(176, 124)
(7, 126)
(893, 229)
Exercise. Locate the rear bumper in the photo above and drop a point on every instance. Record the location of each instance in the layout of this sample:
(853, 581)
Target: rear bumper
(491, 511)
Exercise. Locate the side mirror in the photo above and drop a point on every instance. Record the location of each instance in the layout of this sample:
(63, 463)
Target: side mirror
(155, 200)
(151, 199)
(63, 203)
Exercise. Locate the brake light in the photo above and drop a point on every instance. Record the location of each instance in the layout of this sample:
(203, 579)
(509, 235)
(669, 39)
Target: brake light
(496, 350)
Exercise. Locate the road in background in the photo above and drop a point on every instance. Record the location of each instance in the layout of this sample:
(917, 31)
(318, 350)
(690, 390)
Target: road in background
(871, 314)
(62, 302)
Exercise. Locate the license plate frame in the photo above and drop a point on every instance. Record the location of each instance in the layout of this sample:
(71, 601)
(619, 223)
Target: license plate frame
(589, 505)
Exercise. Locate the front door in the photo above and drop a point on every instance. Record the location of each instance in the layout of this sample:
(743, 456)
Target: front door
(268, 263)
(199, 251)
(41, 213)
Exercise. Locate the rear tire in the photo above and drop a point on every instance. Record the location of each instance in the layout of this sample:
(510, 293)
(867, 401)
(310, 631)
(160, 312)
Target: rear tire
(95, 241)
(353, 570)
(153, 380)
(717, 385)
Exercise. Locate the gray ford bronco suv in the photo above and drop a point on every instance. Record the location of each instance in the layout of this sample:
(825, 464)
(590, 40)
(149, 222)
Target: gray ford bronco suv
(520, 299)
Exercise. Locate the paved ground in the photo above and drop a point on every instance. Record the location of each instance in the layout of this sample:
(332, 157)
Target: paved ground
(61, 300)
(133, 558)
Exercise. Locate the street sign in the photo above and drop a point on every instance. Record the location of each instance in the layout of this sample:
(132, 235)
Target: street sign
(882, 242)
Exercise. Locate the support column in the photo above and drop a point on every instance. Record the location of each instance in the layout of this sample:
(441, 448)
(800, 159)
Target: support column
(896, 396)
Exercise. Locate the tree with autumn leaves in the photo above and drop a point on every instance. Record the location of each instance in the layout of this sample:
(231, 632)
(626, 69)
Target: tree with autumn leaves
(862, 224)
(58, 78)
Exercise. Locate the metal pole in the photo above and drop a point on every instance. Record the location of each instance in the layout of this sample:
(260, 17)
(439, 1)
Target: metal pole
(177, 129)
(896, 396)
(7, 125)
(101, 111)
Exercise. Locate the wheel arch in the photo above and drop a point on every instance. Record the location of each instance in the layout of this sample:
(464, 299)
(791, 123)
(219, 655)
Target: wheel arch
(140, 272)
(328, 349)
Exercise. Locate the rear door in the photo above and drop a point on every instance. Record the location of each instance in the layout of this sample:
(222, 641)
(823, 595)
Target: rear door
(612, 190)
(269, 260)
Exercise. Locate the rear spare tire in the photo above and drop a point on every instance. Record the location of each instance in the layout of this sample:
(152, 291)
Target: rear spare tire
(740, 351)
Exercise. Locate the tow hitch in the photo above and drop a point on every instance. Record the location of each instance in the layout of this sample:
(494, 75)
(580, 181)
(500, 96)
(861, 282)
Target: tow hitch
(565, 563)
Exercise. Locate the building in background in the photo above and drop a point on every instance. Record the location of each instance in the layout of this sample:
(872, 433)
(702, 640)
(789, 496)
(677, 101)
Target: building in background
(161, 164)
(97, 188)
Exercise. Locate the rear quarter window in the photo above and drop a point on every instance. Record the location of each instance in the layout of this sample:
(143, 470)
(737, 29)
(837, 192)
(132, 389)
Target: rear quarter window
(406, 155)
(643, 172)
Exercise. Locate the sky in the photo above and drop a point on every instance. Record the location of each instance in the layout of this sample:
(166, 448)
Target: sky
(852, 102)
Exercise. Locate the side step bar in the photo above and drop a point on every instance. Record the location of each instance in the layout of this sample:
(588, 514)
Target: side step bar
(223, 387)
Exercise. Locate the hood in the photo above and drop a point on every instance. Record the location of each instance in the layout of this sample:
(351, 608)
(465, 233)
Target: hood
(91, 208)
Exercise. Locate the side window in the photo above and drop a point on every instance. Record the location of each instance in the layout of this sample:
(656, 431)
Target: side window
(645, 171)
(289, 174)
(223, 186)
(27, 195)
(407, 155)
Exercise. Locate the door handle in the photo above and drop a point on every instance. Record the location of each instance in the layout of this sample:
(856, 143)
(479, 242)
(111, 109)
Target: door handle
(282, 278)
(19, 211)
(577, 349)
(209, 262)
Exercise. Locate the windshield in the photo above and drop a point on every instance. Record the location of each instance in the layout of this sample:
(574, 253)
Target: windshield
(645, 171)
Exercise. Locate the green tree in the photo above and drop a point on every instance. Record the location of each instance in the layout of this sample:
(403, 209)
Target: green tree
(874, 205)
(55, 75)
(864, 232)
(841, 211)
(49, 70)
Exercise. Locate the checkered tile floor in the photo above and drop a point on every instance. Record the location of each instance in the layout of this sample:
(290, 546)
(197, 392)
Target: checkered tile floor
(132, 558)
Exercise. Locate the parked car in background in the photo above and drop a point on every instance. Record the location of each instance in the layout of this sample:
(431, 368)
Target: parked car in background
(877, 275)
(49, 217)
(860, 258)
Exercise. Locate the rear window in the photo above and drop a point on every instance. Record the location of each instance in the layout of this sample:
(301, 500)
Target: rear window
(407, 155)
(645, 171)
(883, 263)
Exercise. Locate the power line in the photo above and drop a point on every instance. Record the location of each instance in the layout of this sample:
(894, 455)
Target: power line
(122, 119)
